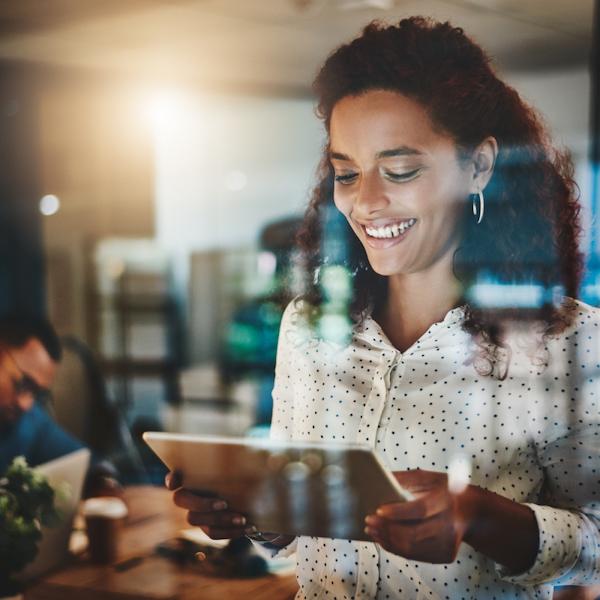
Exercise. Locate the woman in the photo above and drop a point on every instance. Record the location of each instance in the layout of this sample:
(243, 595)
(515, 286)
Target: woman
(446, 179)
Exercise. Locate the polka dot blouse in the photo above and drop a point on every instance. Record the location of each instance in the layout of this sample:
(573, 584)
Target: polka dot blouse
(533, 437)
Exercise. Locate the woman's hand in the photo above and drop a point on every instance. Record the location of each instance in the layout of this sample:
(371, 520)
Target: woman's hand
(210, 513)
(430, 528)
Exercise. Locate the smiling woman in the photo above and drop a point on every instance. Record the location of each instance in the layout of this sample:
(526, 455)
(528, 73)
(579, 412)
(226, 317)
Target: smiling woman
(456, 143)
(442, 174)
(400, 183)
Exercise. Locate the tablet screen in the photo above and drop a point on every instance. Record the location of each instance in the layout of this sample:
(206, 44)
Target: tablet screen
(295, 488)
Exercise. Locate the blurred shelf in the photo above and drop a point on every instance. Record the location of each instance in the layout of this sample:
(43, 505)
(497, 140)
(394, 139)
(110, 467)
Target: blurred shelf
(126, 367)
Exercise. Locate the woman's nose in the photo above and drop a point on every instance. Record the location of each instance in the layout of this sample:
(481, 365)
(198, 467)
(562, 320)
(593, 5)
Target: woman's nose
(370, 197)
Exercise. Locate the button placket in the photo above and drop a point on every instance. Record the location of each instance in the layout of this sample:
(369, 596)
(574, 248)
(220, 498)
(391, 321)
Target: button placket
(395, 373)
(368, 555)
(376, 402)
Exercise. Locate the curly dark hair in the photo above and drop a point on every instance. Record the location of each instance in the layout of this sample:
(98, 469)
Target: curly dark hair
(531, 228)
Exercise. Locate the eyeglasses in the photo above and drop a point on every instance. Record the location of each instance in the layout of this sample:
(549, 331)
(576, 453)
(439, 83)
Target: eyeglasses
(28, 385)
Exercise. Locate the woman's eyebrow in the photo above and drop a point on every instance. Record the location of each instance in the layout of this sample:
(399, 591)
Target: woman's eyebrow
(399, 151)
(333, 155)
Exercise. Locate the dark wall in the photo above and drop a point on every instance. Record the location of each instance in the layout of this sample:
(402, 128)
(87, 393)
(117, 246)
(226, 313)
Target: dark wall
(21, 254)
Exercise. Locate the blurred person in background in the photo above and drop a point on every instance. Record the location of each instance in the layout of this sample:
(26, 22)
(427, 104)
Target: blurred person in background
(441, 174)
(30, 353)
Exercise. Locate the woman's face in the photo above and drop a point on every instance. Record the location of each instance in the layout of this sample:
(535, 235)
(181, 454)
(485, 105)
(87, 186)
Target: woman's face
(397, 181)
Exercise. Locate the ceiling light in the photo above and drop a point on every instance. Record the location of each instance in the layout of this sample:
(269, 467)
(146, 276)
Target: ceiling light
(365, 4)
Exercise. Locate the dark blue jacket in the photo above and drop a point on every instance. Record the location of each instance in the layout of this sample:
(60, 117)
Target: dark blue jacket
(37, 437)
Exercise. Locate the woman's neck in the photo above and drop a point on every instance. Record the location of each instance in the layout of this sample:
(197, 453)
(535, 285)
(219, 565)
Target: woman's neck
(416, 301)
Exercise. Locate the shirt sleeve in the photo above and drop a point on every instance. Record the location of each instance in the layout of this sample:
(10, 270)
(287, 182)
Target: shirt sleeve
(566, 430)
(283, 411)
(283, 390)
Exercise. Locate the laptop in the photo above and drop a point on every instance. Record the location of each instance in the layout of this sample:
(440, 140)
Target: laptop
(65, 474)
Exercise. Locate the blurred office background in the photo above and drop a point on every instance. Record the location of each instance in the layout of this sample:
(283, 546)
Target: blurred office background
(156, 159)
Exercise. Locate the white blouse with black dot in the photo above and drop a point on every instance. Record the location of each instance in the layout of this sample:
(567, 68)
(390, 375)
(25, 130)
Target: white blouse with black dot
(533, 437)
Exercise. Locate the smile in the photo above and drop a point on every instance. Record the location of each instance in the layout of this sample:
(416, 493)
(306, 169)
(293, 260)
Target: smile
(389, 231)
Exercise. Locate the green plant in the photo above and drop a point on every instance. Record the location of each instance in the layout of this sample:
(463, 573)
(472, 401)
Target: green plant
(26, 503)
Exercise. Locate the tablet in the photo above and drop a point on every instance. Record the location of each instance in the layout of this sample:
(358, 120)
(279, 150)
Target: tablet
(296, 488)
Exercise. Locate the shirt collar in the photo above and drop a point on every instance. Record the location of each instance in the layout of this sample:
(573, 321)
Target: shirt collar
(372, 333)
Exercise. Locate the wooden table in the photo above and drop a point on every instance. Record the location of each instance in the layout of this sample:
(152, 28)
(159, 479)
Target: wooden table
(153, 518)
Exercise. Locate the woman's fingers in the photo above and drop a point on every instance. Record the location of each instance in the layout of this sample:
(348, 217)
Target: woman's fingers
(415, 532)
(217, 527)
(426, 506)
(429, 528)
(196, 503)
(432, 537)
(223, 534)
(437, 551)
(220, 519)
(207, 511)
(418, 480)
(173, 480)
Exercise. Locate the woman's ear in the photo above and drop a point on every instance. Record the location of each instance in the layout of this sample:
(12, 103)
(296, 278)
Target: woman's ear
(484, 159)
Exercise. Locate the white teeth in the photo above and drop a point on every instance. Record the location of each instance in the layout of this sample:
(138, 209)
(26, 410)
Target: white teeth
(390, 231)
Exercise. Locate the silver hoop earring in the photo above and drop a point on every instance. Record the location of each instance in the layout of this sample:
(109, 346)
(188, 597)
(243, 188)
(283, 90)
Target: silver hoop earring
(481, 206)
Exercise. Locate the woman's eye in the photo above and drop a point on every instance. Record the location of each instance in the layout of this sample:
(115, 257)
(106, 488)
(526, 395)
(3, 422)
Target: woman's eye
(345, 179)
(402, 176)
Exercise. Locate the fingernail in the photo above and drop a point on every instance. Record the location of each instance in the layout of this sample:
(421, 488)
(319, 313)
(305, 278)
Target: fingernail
(370, 531)
(238, 520)
(200, 556)
(219, 505)
(250, 530)
(369, 520)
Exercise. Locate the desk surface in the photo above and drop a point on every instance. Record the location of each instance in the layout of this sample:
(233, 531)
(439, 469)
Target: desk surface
(153, 518)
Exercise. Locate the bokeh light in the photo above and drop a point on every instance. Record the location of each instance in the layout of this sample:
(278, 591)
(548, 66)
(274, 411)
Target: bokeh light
(49, 205)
